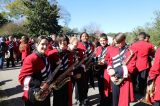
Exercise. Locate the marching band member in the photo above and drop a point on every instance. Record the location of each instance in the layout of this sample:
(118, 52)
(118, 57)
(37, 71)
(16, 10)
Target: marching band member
(24, 47)
(154, 76)
(3, 49)
(49, 45)
(62, 96)
(17, 52)
(121, 63)
(150, 57)
(100, 66)
(35, 70)
(32, 44)
(78, 73)
(11, 50)
(88, 47)
(143, 50)
(54, 41)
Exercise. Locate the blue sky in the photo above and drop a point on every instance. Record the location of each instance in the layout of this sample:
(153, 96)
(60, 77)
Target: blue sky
(110, 15)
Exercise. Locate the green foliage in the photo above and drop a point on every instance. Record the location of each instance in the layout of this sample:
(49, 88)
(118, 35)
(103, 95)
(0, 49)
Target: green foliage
(12, 29)
(131, 37)
(68, 31)
(3, 20)
(41, 17)
(153, 29)
(17, 9)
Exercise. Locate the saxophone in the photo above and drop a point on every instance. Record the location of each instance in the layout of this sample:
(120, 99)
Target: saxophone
(43, 93)
(88, 60)
(65, 77)
(149, 93)
(120, 80)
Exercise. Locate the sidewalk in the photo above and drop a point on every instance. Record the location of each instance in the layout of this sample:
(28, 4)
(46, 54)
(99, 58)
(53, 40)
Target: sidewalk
(12, 91)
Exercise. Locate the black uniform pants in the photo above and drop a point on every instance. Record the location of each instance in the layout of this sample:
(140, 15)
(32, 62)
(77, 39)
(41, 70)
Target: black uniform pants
(46, 102)
(115, 94)
(157, 103)
(142, 81)
(60, 97)
(79, 88)
(100, 78)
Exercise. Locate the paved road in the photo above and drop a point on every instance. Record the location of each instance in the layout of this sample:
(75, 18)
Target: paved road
(12, 91)
(10, 88)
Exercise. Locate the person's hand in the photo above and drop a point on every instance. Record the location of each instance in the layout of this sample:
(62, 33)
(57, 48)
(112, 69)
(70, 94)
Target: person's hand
(111, 72)
(44, 86)
(77, 76)
(100, 63)
(114, 79)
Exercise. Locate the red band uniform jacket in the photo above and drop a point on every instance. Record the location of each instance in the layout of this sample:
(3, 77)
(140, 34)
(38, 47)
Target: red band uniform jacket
(11, 48)
(18, 54)
(34, 70)
(143, 50)
(88, 49)
(82, 46)
(49, 48)
(24, 48)
(154, 74)
(126, 88)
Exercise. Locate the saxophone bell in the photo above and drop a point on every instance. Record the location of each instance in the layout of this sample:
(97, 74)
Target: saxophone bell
(149, 94)
(41, 95)
(43, 92)
(57, 85)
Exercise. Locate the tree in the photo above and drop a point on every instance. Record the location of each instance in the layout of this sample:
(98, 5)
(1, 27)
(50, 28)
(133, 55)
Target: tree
(41, 17)
(156, 23)
(92, 28)
(65, 16)
(12, 29)
(3, 20)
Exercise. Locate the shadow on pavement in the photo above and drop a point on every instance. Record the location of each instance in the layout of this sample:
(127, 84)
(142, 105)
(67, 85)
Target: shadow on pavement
(11, 91)
(3, 82)
(12, 102)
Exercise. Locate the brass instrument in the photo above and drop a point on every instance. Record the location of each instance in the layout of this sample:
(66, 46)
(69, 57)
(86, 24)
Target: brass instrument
(64, 77)
(59, 82)
(120, 80)
(43, 93)
(96, 65)
(149, 93)
(89, 59)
